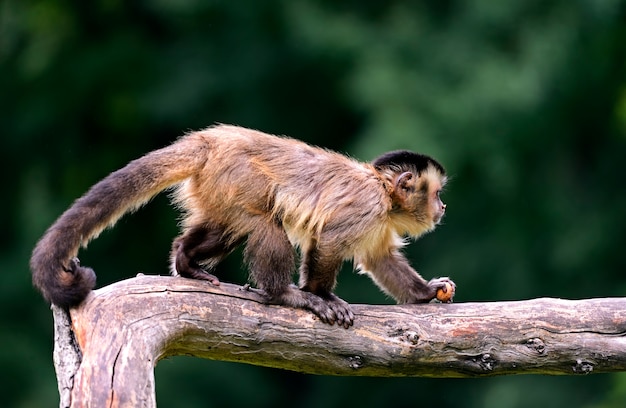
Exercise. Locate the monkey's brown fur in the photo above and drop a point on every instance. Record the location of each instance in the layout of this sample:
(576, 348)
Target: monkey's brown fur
(234, 185)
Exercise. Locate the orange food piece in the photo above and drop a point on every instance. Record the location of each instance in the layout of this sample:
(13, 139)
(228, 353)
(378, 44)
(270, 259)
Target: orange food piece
(447, 295)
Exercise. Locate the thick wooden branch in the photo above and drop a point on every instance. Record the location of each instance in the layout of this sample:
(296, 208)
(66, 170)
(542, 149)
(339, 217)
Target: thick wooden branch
(125, 328)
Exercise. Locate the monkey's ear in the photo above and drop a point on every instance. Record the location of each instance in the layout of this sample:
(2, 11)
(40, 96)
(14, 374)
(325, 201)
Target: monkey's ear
(403, 185)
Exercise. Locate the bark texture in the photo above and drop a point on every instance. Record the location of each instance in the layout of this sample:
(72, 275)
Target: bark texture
(122, 331)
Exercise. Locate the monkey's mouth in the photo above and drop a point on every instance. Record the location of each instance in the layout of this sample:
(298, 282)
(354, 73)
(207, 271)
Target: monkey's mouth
(438, 218)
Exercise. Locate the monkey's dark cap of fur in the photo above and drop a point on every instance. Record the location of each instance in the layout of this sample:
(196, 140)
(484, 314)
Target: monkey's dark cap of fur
(400, 158)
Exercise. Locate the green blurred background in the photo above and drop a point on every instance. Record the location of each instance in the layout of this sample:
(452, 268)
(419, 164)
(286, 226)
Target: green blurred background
(524, 101)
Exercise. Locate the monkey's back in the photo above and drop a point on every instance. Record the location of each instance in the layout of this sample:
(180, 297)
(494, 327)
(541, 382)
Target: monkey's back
(250, 177)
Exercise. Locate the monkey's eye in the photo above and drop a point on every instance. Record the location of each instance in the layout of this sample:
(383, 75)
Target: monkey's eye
(437, 193)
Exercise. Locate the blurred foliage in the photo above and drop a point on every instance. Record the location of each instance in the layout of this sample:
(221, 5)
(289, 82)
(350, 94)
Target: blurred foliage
(524, 101)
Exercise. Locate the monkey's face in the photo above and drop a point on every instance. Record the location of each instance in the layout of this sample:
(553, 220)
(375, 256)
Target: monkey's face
(417, 203)
(428, 204)
(433, 183)
(438, 207)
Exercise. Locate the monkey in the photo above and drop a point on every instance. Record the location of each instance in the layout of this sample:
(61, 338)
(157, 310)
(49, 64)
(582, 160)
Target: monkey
(276, 196)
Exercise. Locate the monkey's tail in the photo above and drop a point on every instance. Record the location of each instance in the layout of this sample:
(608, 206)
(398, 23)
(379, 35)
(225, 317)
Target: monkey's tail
(55, 270)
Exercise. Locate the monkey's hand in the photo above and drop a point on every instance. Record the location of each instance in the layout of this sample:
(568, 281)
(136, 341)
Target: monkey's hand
(442, 289)
(422, 291)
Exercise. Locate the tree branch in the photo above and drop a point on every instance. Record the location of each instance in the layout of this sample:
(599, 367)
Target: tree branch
(125, 328)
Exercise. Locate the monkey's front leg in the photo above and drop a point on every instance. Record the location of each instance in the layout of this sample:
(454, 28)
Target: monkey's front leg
(395, 276)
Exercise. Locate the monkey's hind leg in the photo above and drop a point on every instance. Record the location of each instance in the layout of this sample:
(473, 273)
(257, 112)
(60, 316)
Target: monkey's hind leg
(318, 275)
(271, 260)
(206, 245)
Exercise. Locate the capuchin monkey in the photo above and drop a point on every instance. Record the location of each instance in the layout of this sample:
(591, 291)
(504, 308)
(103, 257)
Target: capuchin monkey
(272, 194)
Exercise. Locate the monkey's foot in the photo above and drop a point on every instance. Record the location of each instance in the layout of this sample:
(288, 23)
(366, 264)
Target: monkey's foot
(342, 309)
(211, 278)
(200, 274)
(329, 310)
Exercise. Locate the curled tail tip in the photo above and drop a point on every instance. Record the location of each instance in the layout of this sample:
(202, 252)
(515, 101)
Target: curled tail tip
(64, 286)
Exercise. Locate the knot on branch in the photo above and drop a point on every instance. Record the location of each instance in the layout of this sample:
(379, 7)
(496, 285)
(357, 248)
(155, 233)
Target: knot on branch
(582, 367)
(537, 345)
(355, 362)
(405, 334)
(485, 362)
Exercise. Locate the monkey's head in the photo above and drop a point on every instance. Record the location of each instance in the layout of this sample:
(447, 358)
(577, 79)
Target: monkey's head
(415, 182)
